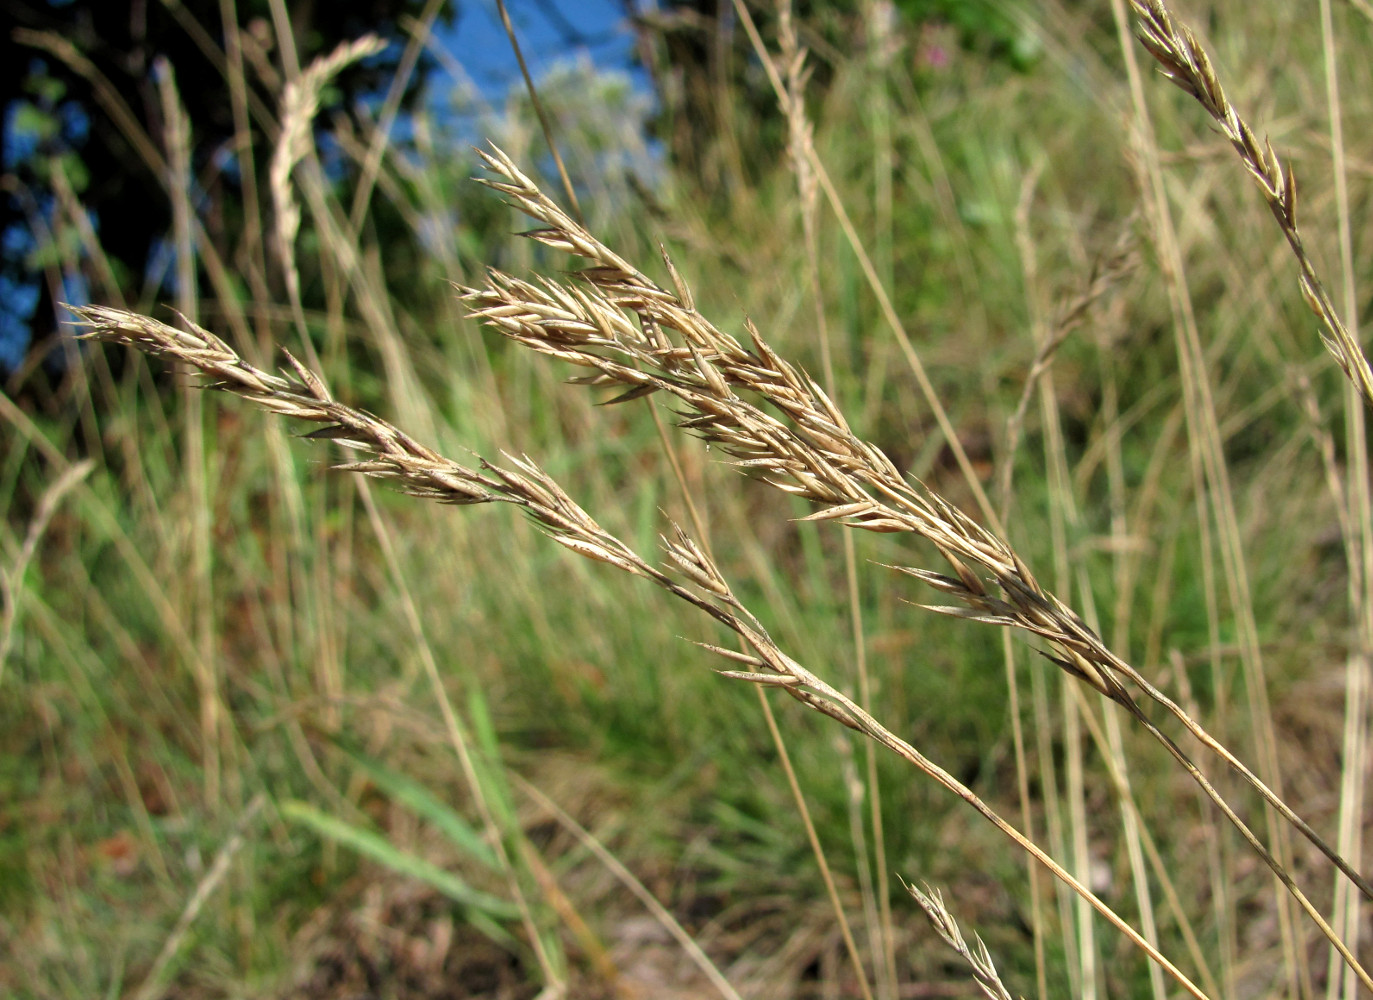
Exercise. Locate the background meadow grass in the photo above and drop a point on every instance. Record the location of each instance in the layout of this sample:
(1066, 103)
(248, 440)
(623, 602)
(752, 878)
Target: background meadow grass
(222, 657)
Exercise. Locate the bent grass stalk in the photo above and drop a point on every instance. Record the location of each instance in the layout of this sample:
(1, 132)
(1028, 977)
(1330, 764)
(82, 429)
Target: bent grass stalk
(692, 576)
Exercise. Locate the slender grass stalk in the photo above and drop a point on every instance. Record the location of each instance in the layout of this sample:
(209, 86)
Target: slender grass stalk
(12, 577)
(801, 154)
(255, 260)
(199, 596)
(1106, 273)
(1357, 526)
(1061, 514)
(908, 352)
(381, 137)
(626, 878)
(153, 984)
(544, 123)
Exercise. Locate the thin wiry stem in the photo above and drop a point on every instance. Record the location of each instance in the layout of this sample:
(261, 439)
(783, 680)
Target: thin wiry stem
(693, 577)
(12, 577)
(642, 338)
(1107, 271)
(801, 149)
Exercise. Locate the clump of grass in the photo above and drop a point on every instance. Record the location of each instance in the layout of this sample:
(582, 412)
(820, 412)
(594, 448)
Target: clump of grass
(754, 401)
(811, 453)
(423, 473)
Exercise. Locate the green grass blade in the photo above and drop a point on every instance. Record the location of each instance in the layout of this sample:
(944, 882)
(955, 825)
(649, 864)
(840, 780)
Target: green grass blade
(422, 802)
(482, 909)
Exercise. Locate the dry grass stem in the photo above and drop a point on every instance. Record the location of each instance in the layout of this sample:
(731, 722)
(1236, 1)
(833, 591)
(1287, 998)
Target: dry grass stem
(418, 471)
(631, 882)
(153, 983)
(12, 580)
(1108, 271)
(1184, 61)
(876, 894)
(612, 319)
